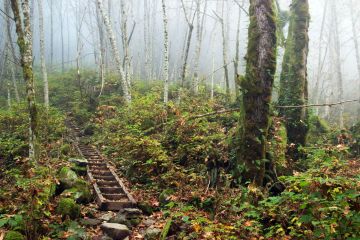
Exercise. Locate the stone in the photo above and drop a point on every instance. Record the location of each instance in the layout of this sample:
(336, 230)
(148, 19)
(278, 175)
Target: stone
(164, 196)
(90, 222)
(152, 233)
(128, 216)
(67, 207)
(148, 222)
(115, 231)
(107, 216)
(81, 192)
(67, 178)
(146, 208)
(81, 162)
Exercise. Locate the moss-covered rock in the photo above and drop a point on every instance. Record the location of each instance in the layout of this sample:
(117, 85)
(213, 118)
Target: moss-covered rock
(67, 207)
(14, 235)
(81, 192)
(81, 171)
(165, 195)
(67, 178)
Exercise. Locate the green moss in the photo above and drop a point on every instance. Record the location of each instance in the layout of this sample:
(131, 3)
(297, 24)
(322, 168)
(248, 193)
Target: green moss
(82, 171)
(67, 177)
(67, 207)
(14, 235)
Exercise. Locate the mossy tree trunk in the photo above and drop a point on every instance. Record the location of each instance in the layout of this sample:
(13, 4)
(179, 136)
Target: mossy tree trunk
(257, 87)
(293, 79)
(23, 30)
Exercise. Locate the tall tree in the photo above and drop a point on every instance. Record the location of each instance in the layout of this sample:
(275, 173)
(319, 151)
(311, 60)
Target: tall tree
(112, 38)
(23, 30)
(338, 67)
(166, 54)
(257, 88)
(356, 43)
(12, 62)
(42, 54)
(293, 79)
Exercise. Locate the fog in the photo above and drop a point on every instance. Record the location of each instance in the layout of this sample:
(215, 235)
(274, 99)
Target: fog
(80, 15)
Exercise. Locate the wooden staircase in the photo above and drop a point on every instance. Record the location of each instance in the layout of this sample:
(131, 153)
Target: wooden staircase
(111, 194)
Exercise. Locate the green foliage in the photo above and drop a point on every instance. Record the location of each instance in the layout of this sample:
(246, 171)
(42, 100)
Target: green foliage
(14, 235)
(355, 144)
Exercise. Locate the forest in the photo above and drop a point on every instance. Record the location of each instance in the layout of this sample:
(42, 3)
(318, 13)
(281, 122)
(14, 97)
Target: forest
(179, 119)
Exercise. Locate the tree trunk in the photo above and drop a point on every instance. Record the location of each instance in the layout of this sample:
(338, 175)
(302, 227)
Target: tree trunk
(257, 85)
(102, 51)
(51, 36)
(237, 52)
(199, 33)
(111, 35)
(10, 44)
(166, 54)
(356, 44)
(319, 66)
(188, 43)
(25, 45)
(42, 54)
(125, 43)
(62, 39)
(293, 79)
(338, 67)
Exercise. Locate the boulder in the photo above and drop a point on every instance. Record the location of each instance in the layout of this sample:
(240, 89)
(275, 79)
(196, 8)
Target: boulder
(81, 162)
(128, 216)
(67, 207)
(67, 178)
(81, 192)
(115, 231)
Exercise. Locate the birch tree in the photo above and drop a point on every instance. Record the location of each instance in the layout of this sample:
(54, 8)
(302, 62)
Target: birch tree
(42, 54)
(23, 30)
(257, 85)
(112, 38)
(166, 54)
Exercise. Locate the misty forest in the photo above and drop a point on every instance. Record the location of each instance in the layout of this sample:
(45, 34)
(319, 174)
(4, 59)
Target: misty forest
(179, 119)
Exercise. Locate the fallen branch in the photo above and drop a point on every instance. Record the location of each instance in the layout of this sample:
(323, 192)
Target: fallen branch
(320, 105)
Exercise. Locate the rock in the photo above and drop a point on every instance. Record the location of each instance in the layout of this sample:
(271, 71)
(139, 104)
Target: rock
(67, 178)
(115, 231)
(81, 162)
(81, 171)
(128, 216)
(107, 216)
(90, 222)
(152, 233)
(14, 235)
(67, 207)
(148, 222)
(81, 192)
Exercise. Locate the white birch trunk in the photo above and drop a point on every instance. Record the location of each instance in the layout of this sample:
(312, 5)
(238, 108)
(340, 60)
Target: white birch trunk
(115, 51)
(356, 44)
(42, 54)
(23, 30)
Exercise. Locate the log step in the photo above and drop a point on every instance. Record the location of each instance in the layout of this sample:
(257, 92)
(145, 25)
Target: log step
(111, 190)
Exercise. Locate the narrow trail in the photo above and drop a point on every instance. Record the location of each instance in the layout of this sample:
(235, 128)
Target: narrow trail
(110, 192)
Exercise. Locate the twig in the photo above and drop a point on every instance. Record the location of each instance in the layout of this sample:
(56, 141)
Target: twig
(7, 15)
(320, 105)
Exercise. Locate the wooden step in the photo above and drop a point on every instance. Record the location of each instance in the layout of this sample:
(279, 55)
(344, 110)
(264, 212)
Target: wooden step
(106, 178)
(107, 183)
(116, 197)
(111, 190)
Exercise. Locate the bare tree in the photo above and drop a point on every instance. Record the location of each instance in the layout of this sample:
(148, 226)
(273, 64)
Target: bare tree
(199, 36)
(356, 43)
(23, 30)
(42, 54)
(224, 45)
(237, 49)
(338, 66)
(166, 54)
(111, 35)
(12, 62)
(190, 23)
(102, 51)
